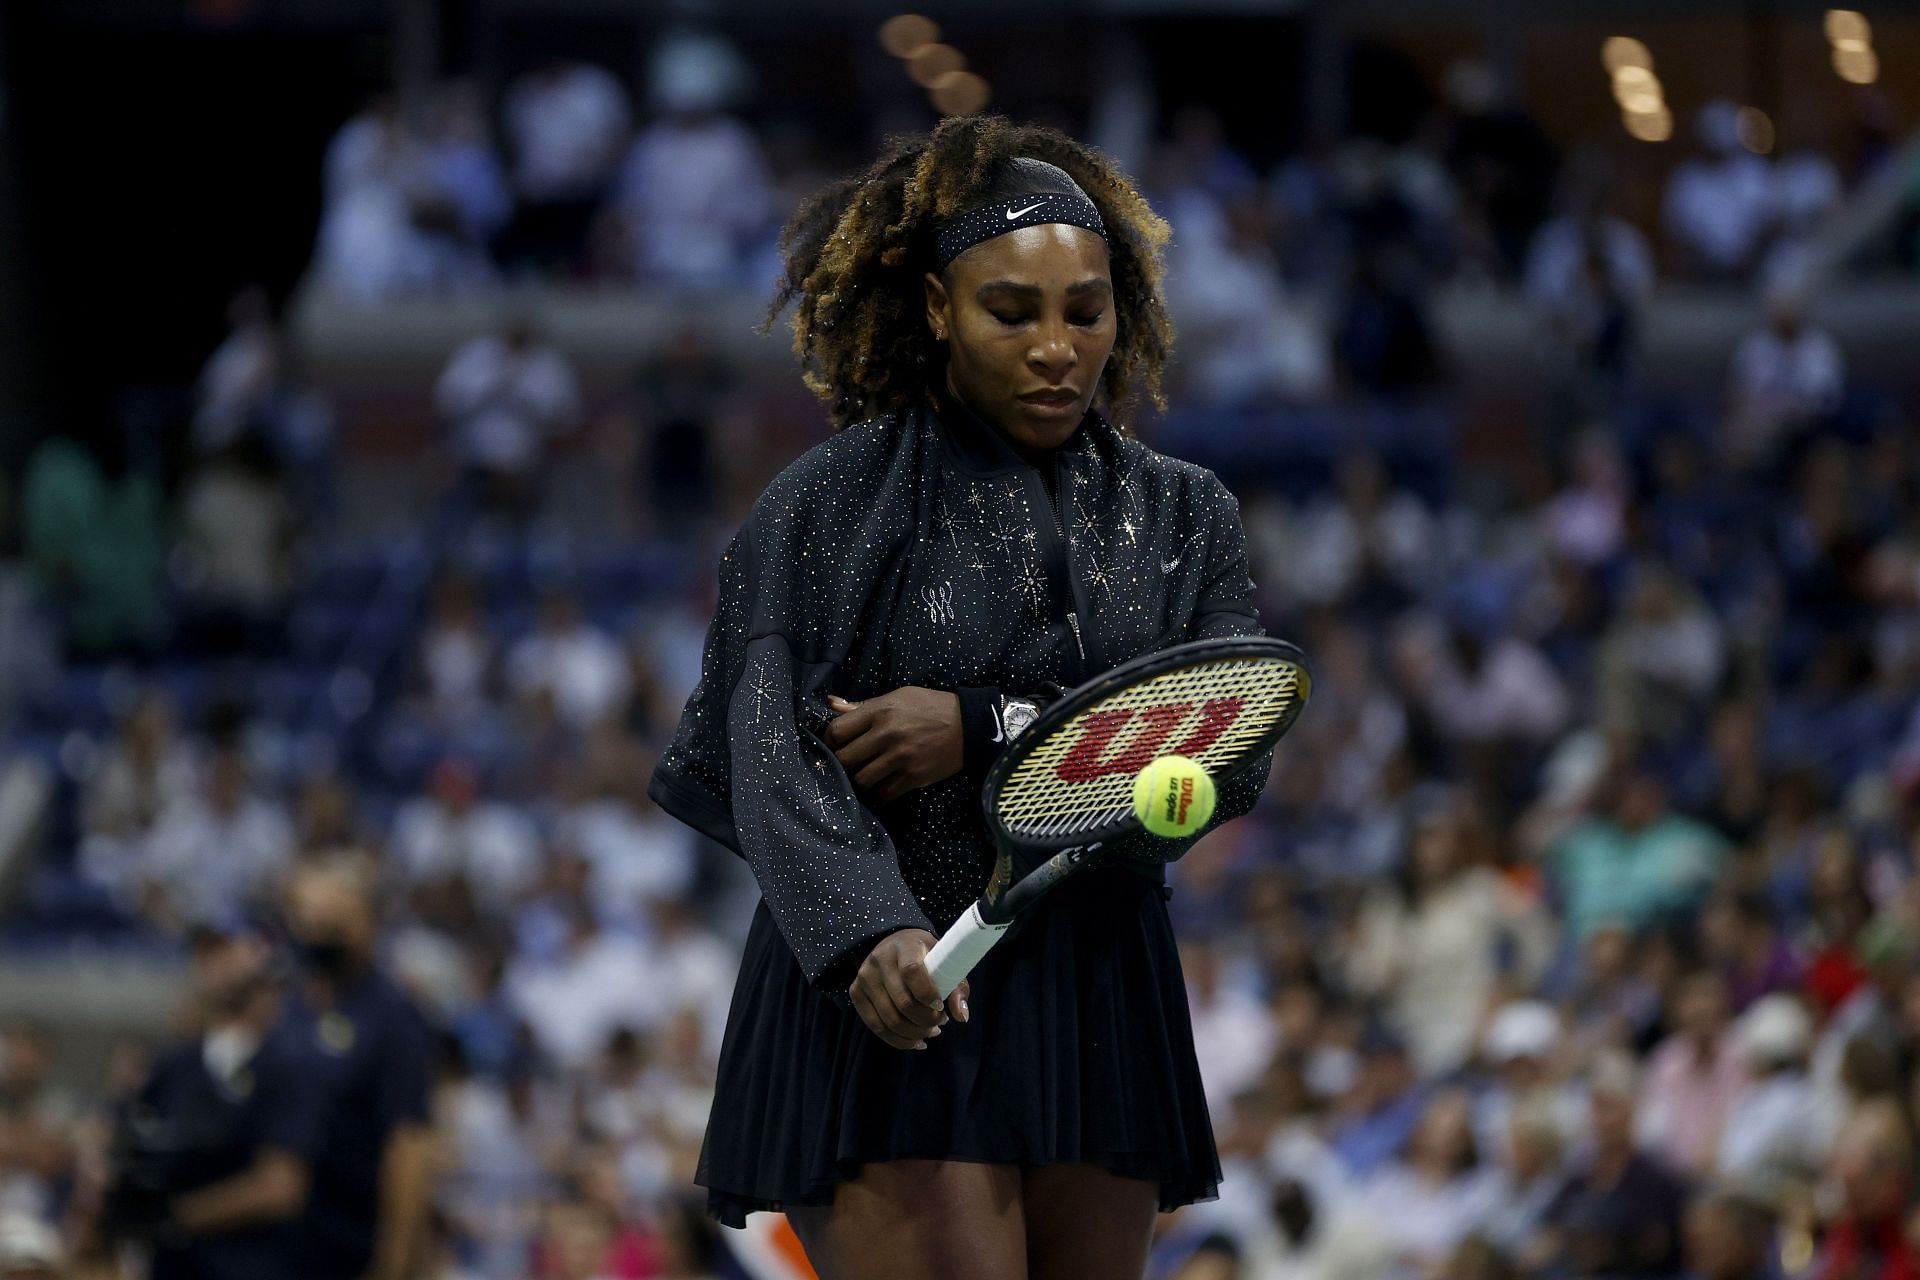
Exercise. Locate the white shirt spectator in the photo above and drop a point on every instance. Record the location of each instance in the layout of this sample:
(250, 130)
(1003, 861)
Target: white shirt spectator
(583, 667)
(1720, 206)
(566, 125)
(505, 397)
(1250, 341)
(457, 659)
(604, 982)
(1513, 693)
(240, 370)
(494, 846)
(635, 855)
(212, 855)
(1436, 964)
(1236, 1037)
(1329, 545)
(369, 247)
(1423, 1220)
(1776, 1125)
(1784, 373)
(696, 189)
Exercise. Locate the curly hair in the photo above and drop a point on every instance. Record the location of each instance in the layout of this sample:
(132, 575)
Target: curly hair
(855, 254)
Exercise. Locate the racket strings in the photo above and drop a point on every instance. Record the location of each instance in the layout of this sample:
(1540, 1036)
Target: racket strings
(1080, 776)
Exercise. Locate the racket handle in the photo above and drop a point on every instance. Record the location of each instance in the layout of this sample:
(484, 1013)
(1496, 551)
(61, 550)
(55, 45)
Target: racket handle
(960, 948)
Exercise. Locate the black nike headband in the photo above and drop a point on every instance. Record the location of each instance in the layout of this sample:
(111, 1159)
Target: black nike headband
(1010, 213)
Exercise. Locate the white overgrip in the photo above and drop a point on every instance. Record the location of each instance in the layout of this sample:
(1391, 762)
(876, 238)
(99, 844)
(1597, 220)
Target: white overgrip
(960, 948)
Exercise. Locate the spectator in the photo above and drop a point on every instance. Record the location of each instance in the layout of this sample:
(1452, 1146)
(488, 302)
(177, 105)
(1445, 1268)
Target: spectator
(1739, 936)
(457, 659)
(695, 184)
(1255, 344)
(1785, 377)
(599, 982)
(1692, 1079)
(1719, 206)
(1379, 1110)
(1234, 1026)
(38, 1117)
(1777, 1127)
(1432, 945)
(1437, 1193)
(452, 832)
(1382, 342)
(1619, 1213)
(91, 524)
(234, 561)
(666, 438)
(144, 766)
(1872, 1163)
(1729, 1237)
(30, 1249)
(214, 852)
(384, 230)
(1368, 544)
(238, 374)
(581, 666)
(466, 165)
(638, 856)
(565, 125)
(1530, 1177)
(1484, 688)
(1523, 1047)
(1660, 663)
(506, 397)
(1636, 862)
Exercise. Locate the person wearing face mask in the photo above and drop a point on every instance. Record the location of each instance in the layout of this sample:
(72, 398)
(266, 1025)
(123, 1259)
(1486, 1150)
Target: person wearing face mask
(366, 1216)
(214, 1155)
(981, 311)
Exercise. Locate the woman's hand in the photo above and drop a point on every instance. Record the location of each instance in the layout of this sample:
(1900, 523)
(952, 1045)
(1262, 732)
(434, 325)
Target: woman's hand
(895, 995)
(897, 742)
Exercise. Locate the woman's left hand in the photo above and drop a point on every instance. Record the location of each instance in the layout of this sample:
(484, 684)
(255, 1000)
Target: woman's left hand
(897, 742)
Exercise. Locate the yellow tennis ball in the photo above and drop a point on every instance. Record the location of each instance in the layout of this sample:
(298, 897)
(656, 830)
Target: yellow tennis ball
(1173, 796)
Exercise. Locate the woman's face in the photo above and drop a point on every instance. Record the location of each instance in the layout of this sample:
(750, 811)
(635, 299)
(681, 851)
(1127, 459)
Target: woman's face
(1028, 319)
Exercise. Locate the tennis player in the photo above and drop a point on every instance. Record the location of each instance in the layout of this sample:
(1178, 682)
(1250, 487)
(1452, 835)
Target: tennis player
(978, 310)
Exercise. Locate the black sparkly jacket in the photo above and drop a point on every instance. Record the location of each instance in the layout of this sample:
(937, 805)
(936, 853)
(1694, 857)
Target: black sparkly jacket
(921, 549)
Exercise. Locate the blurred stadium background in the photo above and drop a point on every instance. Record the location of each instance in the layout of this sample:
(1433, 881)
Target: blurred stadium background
(1561, 355)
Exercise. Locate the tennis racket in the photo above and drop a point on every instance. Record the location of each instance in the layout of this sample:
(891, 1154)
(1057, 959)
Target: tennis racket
(1065, 785)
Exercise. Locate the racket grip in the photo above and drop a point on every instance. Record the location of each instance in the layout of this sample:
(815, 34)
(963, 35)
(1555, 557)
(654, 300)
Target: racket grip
(960, 948)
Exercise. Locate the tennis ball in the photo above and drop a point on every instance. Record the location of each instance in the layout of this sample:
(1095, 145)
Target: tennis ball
(1173, 796)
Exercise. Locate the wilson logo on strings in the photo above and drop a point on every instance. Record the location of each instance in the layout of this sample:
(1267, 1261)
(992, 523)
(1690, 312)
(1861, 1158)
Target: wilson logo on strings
(1099, 753)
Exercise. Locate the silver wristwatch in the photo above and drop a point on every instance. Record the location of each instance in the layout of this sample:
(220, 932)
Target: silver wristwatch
(1016, 714)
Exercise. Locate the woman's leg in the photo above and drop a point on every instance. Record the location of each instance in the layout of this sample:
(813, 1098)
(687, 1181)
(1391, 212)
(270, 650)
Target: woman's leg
(1084, 1223)
(919, 1220)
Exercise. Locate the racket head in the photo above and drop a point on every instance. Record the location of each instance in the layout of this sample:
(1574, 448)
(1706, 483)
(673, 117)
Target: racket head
(1068, 779)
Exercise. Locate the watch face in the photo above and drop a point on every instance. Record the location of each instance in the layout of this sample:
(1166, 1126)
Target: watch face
(1018, 716)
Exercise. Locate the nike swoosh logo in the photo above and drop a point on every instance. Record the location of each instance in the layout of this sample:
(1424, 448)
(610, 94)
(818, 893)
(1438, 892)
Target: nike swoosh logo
(999, 730)
(1017, 213)
(1168, 566)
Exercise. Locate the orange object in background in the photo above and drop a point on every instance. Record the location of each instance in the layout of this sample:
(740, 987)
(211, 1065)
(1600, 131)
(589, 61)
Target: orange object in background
(769, 1250)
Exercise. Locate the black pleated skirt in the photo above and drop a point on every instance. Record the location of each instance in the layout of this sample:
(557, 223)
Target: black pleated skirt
(1079, 1050)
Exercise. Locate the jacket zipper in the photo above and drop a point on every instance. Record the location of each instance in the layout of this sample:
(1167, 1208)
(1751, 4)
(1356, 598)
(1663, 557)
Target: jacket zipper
(1066, 550)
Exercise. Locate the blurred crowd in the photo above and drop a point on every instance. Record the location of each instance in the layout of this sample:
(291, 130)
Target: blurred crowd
(1292, 278)
(1578, 931)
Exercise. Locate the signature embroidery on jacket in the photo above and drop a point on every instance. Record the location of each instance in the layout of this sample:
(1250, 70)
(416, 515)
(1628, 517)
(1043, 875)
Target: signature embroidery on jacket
(939, 602)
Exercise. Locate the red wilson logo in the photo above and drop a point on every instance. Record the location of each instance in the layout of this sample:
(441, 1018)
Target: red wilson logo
(1101, 752)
